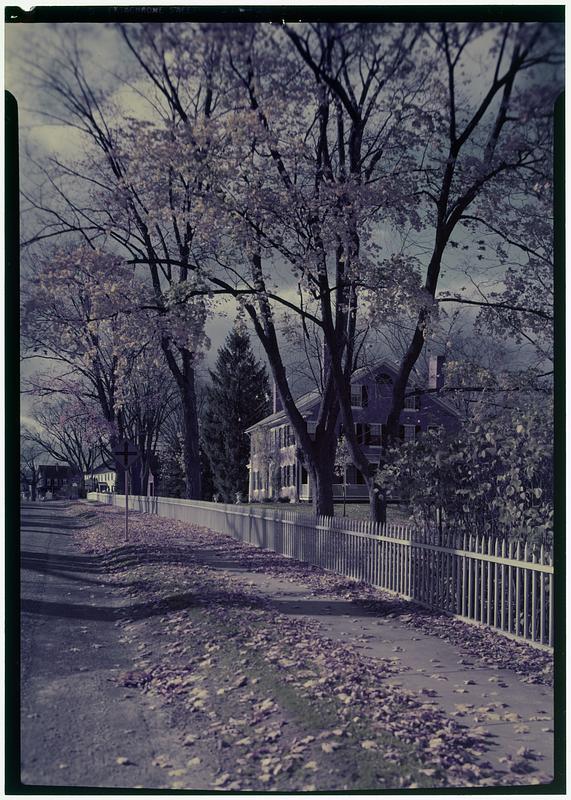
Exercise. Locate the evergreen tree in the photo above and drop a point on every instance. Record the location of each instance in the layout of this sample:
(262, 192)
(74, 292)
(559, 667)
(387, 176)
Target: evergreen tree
(237, 398)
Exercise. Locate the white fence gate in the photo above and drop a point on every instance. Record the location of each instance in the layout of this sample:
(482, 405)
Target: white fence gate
(506, 586)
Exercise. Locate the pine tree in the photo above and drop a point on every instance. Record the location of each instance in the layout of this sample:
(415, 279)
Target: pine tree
(237, 398)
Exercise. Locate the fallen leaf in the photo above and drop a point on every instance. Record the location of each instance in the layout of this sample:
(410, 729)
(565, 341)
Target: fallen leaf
(437, 741)
(521, 729)
(369, 744)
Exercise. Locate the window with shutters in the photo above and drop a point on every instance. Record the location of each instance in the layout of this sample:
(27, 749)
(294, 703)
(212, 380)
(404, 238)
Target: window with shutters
(376, 434)
(384, 385)
(412, 402)
(359, 396)
(410, 432)
(369, 433)
(362, 432)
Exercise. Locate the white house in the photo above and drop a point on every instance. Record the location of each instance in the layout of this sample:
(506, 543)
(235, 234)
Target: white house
(101, 479)
(275, 469)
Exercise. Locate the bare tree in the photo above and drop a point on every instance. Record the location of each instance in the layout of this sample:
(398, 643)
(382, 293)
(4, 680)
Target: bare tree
(66, 431)
(30, 454)
(125, 214)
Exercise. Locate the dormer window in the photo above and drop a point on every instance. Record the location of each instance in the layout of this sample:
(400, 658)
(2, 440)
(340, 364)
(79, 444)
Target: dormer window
(384, 385)
(359, 396)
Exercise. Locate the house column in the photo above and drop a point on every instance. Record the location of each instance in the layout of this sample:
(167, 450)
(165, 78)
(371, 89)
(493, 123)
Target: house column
(250, 476)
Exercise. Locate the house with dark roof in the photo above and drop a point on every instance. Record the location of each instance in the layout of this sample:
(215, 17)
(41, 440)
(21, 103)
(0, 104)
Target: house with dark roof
(59, 480)
(275, 468)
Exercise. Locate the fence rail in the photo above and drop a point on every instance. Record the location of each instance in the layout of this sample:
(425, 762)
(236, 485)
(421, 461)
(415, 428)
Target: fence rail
(504, 585)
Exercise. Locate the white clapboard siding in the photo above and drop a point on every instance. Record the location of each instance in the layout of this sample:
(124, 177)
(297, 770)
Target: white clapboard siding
(505, 586)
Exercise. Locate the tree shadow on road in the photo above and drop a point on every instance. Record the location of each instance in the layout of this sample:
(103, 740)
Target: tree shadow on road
(113, 561)
(52, 569)
(40, 524)
(177, 602)
(201, 598)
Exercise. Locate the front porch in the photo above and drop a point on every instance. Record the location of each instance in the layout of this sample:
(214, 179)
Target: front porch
(355, 492)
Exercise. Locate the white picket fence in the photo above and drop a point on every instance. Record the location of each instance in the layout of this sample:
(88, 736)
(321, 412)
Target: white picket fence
(506, 586)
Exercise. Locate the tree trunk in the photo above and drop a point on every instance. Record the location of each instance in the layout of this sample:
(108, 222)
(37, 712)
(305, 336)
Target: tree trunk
(322, 477)
(377, 503)
(185, 379)
(191, 444)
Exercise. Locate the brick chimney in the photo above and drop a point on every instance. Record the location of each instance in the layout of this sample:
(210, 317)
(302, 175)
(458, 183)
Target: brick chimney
(436, 372)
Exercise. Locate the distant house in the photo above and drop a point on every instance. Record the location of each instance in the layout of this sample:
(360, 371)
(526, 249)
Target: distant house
(58, 480)
(275, 468)
(101, 479)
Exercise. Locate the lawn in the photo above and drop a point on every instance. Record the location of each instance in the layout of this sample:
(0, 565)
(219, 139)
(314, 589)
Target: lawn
(395, 514)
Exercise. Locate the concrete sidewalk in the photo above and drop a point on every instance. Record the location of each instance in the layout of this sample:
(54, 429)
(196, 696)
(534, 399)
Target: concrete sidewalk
(518, 716)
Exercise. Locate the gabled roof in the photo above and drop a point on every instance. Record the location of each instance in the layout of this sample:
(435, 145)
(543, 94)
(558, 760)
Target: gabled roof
(386, 366)
(304, 403)
(311, 399)
(100, 469)
(58, 469)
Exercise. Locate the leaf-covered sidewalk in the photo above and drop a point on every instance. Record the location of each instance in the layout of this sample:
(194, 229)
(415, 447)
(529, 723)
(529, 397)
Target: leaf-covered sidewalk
(279, 676)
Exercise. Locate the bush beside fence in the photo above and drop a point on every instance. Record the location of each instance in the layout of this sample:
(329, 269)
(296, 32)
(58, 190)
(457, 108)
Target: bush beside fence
(504, 585)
